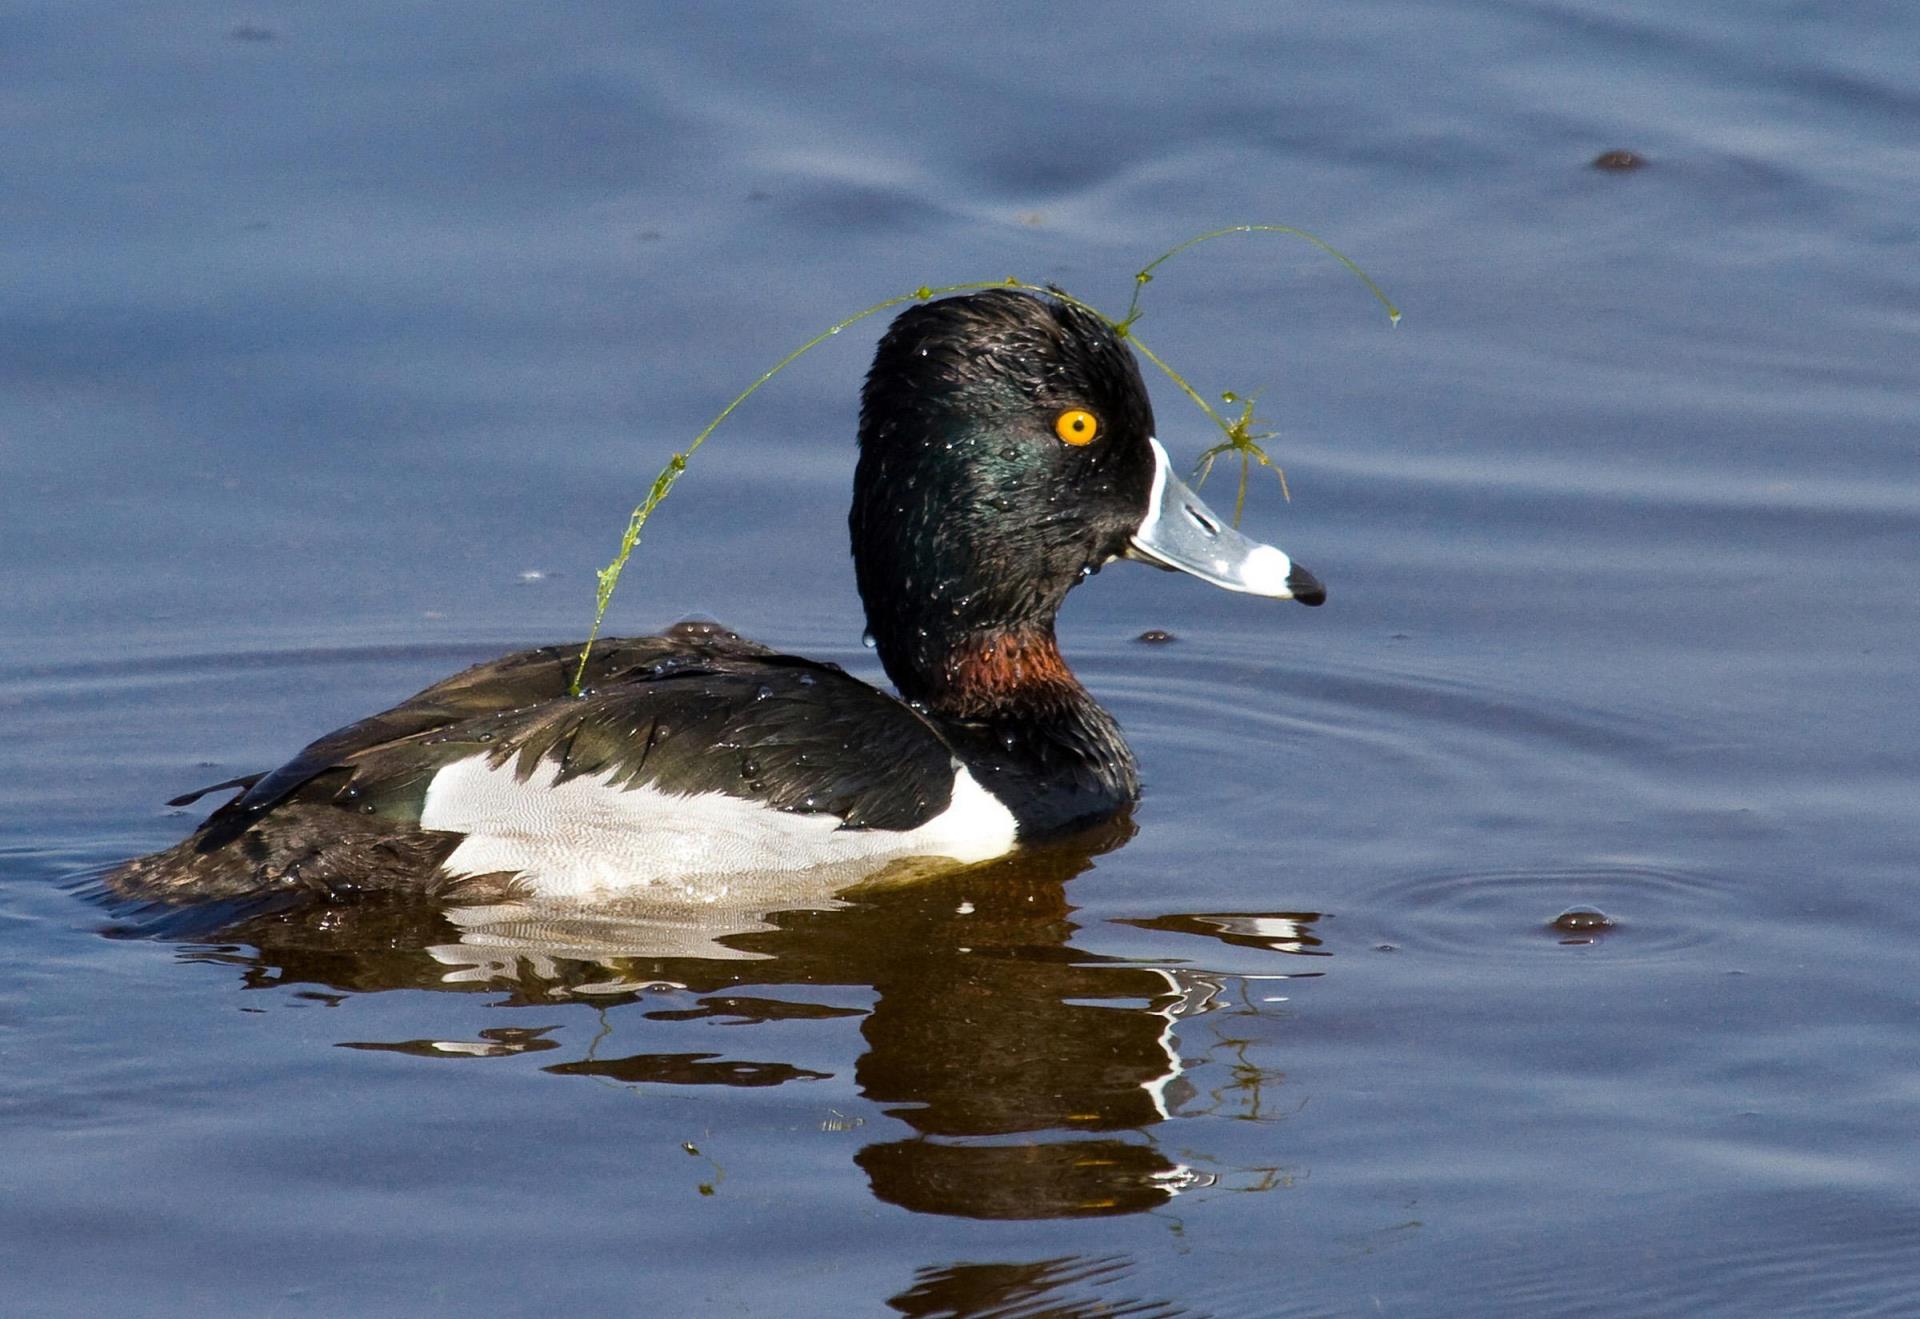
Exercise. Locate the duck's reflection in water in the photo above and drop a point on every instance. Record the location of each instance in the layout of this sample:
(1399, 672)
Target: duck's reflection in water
(1064, 1287)
(1030, 1073)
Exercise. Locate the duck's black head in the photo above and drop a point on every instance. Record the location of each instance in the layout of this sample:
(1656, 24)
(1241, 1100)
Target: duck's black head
(1007, 451)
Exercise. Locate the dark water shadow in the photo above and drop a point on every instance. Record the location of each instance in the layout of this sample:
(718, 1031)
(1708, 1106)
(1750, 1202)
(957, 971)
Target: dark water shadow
(1069, 1287)
(1030, 1073)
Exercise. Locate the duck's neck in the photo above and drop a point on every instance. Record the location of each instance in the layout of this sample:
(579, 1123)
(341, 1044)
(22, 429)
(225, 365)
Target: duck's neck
(996, 673)
(1023, 724)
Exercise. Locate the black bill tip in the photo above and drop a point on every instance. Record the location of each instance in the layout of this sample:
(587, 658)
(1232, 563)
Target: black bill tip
(1306, 587)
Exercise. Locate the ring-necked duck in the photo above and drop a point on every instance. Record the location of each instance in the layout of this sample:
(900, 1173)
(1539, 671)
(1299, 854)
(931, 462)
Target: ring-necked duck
(1007, 451)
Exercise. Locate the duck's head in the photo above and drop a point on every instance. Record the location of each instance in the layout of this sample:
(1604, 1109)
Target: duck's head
(1007, 452)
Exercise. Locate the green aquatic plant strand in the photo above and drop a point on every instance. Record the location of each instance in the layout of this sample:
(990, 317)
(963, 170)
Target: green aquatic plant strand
(1241, 439)
(1144, 276)
(609, 576)
(1240, 436)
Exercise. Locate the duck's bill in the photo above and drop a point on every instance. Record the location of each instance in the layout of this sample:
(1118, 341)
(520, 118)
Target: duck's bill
(1181, 534)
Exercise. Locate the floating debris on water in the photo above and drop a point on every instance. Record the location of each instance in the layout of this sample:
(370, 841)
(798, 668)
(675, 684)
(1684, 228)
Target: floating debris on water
(1583, 924)
(1619, 160)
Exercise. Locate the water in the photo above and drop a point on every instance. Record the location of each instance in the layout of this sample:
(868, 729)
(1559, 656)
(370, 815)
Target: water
(325, 328)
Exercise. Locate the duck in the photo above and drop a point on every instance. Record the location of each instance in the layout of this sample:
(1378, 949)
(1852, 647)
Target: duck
(1006, 452)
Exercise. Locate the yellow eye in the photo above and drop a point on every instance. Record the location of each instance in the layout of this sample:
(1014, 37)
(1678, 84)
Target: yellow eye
(1076, 426)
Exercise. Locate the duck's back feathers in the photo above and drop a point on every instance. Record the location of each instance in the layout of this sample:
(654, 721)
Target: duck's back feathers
(781, 731)
(521, 682)
(694, 711)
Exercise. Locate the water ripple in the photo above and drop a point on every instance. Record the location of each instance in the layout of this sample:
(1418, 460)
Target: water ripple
(1653, 912)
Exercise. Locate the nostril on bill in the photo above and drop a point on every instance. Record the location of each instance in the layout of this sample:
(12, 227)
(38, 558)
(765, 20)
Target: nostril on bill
(1202, 521)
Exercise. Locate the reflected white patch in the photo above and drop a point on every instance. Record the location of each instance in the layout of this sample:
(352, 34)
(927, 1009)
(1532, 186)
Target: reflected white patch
(1156, 1087)
(586, 837)
(1281, 933)
(531, 938)
(1280, 929)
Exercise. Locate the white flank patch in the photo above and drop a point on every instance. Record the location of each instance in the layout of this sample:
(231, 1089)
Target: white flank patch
(585, 837)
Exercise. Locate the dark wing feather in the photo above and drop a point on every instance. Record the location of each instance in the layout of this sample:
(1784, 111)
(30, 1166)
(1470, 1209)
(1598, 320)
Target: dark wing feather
(691, 710)
(524, 678)
(795, 735)
(189, 798)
